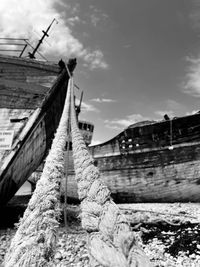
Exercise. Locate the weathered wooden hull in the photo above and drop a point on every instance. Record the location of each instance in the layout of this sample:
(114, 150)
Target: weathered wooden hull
(33, 135)
(138, 167)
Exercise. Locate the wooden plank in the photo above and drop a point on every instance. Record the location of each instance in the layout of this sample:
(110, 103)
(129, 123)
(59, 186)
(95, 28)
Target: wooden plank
(135, 185)
(23, 87)
(20, 103)
(27, 63)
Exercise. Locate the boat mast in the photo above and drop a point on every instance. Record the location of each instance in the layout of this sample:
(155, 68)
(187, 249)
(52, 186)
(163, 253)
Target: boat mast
(32, 55)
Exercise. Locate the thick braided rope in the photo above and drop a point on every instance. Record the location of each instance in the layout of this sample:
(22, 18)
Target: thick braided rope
(111, 242)
(35, 240)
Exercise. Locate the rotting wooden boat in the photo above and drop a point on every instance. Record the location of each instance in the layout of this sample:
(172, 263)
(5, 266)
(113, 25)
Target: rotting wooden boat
(150, 162)
(32, 95)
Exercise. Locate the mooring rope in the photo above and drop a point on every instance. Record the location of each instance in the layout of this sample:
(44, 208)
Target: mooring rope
(111, 241)
(35, 240)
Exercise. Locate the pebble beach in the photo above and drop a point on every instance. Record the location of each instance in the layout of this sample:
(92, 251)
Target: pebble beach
(170, 239)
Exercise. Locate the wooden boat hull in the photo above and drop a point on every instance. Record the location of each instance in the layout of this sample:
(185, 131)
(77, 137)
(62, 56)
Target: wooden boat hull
(150, 172)
(31, 143)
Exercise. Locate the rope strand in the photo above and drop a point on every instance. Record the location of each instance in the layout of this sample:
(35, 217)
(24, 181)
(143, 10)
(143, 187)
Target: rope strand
(35, 240)
(111, 241)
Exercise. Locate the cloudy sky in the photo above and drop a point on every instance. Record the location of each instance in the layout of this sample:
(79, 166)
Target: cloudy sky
(137, 59)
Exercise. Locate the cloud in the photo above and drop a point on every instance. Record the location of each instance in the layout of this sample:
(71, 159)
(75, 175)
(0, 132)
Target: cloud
(94, 19)
(73, 20)
(119, 124)
(127, 46)
(94, 60)
(75, 8)
(173, 104)
(170, 107)
(103, 100)
(22, 20)
(191, 83)
(194, 15)
(192, 112)
(85, 107)
(161, 113)
(97, 16)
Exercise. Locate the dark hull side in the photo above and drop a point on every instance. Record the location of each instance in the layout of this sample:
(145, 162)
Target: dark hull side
(26, 156)
(150, 171)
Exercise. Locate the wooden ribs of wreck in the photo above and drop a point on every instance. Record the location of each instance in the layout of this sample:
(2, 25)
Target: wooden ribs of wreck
(151, 163)
(37, 89)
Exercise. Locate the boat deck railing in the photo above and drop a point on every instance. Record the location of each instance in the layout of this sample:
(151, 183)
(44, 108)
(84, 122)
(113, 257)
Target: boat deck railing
(16, 46)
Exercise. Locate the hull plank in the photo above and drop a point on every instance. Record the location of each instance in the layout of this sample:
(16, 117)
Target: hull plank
(23, 83)
(180, 183)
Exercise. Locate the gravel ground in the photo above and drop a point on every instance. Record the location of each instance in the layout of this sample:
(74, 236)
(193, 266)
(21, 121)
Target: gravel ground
(169, 245)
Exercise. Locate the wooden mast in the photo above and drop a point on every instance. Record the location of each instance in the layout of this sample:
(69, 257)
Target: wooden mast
(45, 34)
